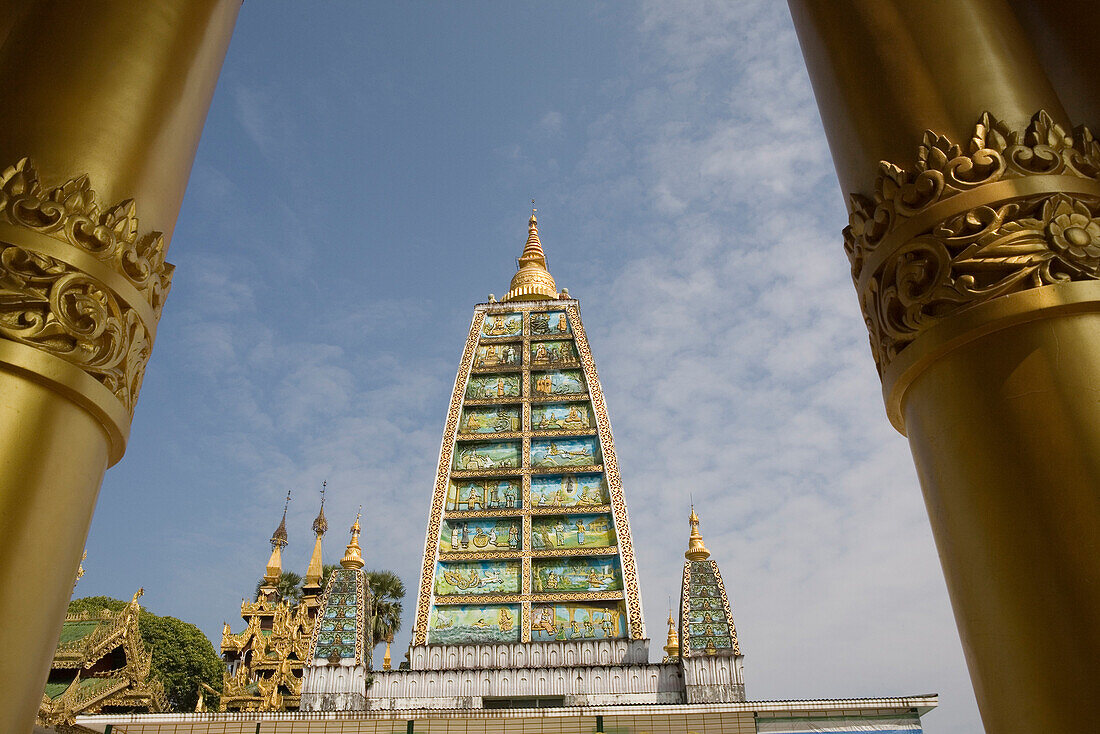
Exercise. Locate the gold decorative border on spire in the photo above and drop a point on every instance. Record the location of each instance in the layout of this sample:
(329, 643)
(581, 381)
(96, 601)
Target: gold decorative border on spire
(442, 479)
(1005, 212)
(80, 284)
(685, 609)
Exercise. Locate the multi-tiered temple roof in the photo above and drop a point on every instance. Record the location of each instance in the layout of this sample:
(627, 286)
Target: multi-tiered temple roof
(528, 538)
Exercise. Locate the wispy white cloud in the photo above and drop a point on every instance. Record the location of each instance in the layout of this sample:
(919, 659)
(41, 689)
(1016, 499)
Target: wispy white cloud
(737, 371)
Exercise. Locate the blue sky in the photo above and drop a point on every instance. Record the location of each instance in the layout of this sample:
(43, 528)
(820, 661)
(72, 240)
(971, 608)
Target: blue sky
(364, 179)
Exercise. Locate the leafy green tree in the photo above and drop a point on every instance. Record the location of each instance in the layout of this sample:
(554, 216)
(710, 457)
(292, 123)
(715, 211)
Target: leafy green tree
(182, 655)
(387, 591)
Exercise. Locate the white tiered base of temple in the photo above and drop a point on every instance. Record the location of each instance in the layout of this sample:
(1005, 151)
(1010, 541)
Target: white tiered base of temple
(713, 679)
(590, 673)
(336, 686)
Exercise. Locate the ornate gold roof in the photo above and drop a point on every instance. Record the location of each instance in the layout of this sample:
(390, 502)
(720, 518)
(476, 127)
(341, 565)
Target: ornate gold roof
(101, 678)
(269, 657)
(533, 281)
(696, 550)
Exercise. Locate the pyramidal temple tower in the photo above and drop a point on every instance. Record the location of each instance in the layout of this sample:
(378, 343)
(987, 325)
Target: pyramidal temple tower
(528, 539)
(528, 560)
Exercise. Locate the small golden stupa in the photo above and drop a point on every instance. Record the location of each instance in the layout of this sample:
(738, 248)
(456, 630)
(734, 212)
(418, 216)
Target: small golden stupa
(696, 550)
(533, 281)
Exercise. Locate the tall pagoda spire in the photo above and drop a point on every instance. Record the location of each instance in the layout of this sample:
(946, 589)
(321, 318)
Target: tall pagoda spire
(533, 281)
(708, 639)
(312, 586)
(338, 661)
(528, 538)
(278, 542)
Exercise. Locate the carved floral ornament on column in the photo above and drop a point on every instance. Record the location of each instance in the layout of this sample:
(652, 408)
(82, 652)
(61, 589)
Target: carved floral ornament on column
(81, 284)
(1014, 210)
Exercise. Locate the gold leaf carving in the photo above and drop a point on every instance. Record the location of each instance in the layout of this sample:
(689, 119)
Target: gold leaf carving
(917, 260)
(53, 305)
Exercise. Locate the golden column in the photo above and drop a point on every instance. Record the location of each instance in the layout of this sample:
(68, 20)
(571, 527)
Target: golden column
(104, 103)
(974, 240)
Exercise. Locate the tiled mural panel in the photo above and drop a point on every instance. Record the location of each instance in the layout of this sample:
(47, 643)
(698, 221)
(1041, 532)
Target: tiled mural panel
(535, 493)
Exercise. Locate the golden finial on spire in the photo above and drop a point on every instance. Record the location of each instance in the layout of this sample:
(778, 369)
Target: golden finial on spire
(696, 550)
(278, 542)
(353, 557)
(533, 281)
(320, 524)
(279, 537)
(316, 569)
(672, 646)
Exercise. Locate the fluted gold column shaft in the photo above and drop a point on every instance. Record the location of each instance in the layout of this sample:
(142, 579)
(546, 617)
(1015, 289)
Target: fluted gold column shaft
(975, 251)
(103, 104)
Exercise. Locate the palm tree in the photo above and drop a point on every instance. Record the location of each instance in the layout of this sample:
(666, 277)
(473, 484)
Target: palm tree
(289, 587)
(384, 619)
(384, 614)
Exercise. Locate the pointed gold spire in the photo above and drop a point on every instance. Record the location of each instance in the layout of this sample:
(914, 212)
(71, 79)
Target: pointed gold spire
(320, 525)
(696, 550)
(278, 542)
(353, 557)
(387, 663)
(533, 281)
(672, 646)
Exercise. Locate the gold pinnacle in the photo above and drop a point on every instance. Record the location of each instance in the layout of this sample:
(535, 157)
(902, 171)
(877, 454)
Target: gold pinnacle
(533, 281)
(696, 550)
(353, 557)
(672, 645)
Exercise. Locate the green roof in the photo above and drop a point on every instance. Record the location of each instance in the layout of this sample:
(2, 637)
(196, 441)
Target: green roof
(76, 630)
(99, 684)
(53, 690)
(86, 685)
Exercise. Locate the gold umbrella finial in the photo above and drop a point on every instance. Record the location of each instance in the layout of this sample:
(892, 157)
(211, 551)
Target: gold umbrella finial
(696, 550)
(532, 281)
(672, 645)
(278, 542)
(320, 524)
(279, 537)
(353, 556)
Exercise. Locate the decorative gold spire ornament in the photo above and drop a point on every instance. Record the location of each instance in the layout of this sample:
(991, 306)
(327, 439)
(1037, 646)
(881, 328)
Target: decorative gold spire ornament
(320, 526)
(974, 243)
(278, 542)
(533, 281)
(387, 663)
(696, 550)
(353, 557)
(672, 645)
(80, 569)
